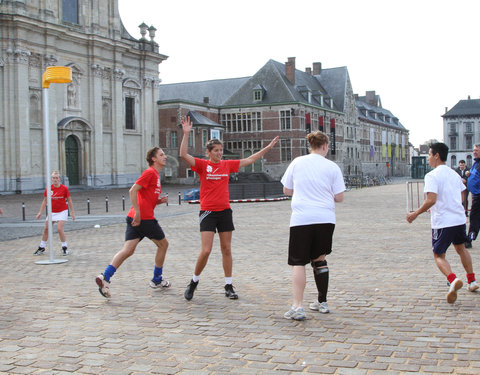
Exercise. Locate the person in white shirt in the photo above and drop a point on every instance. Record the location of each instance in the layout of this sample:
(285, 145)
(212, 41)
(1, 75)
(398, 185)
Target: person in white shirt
(443, 189)
(315, 184)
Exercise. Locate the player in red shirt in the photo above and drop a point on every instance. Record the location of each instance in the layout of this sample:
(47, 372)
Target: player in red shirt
(59, 213)
(141, 222)
(215, 212)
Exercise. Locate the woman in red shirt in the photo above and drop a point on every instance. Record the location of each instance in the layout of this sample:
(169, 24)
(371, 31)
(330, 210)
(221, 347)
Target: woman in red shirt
(215, 212)
(59, 213)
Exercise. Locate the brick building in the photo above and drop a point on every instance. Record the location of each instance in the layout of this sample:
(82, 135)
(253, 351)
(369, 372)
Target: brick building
(246, 113)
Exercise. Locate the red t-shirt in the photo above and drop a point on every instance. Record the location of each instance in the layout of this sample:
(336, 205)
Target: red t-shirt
(147, 196)
(214, 183)
(59, 194)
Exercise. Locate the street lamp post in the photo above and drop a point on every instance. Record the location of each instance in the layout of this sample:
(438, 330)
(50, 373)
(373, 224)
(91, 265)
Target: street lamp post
(53, 74)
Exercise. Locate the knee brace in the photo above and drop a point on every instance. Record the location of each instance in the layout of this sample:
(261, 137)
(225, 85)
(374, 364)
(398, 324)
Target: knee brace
(319, 267)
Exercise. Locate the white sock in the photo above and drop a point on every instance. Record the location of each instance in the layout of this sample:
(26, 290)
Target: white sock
(195, 278)
(43, 243)
(228, 280)
(64, 244)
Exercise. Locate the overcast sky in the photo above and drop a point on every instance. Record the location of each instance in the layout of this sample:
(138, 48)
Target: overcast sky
(420, 56)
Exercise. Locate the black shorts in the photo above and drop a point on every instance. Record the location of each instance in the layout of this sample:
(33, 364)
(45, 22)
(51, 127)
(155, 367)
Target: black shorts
(147, 228)
(442, 238)
(211, 221)
(308, 242)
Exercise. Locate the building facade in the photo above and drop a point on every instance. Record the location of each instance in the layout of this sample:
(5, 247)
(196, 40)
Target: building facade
(461, 130)
(279, 99)
(102, 123)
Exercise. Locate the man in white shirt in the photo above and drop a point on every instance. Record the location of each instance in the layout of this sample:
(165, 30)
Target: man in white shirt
(443, 187)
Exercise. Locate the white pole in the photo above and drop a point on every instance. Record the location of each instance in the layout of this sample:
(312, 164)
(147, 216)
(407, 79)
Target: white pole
(46, 132)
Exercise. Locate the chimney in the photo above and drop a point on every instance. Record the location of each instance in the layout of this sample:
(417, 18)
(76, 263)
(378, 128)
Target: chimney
(317, 68)
(468, 97)
(446, 109)
(290, 70)
(206, 99)
(370, 98)
(308, 71)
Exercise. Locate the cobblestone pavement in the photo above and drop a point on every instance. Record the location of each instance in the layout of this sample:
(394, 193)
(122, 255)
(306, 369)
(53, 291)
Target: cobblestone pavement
(388, 314)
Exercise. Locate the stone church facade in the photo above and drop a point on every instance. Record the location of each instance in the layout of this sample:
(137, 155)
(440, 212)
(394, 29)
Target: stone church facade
(103, 122)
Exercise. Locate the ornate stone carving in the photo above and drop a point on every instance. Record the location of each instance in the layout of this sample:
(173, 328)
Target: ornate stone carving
(118, 73)
(97, 70)
(50, 60)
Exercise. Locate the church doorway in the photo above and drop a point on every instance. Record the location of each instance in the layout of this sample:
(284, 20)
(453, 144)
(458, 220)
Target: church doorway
(72, 160)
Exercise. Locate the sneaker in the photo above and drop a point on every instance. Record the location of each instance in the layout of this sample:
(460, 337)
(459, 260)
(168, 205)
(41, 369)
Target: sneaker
(320, 306)
(161, 284)
(230, 292)
(473, 286)
(452, 291)
(472, 236)
(39, 251)
(295, 314)
(190, 289)
(103, 286)
(64, 251)
(468, 245)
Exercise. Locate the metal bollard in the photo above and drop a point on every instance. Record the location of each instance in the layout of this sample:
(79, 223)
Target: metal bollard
(179, 199)
(23, 211)
(88, 206)
(167, 198)
(106, 204)
(123, 202)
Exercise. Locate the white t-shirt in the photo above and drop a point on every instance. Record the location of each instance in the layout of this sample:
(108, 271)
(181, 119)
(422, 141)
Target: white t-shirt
(315, 181)
(448, 211)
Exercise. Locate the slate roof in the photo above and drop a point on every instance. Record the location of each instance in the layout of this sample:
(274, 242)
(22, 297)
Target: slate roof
(199, 119)
(360, 104)
(469, 107)
(217, 91)
(335, 82)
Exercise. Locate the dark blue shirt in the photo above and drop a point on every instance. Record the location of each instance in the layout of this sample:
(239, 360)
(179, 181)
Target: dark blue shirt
(473, 182)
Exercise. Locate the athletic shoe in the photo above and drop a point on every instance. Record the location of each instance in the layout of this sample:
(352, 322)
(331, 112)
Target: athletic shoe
(452, 291)
(230, 292)
(320, 306)
(473, 286)
(468, 245)
(64, 251)
(39, 251)
(161, 284)
(472, 236)
(103, 286)
(190, 289)
(295, 314)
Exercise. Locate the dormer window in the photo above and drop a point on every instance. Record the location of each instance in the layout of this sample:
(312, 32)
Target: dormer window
(258, 93)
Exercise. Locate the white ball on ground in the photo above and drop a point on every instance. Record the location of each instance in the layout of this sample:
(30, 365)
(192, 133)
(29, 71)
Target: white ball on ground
(96, 226)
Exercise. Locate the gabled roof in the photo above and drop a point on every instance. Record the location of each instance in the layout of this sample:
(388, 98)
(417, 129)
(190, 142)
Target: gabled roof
(200, 120)
(217, 91)
(469, 107)
(278, 89)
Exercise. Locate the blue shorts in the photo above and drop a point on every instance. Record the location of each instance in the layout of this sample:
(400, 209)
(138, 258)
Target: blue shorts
(147, 228)
(442, 238)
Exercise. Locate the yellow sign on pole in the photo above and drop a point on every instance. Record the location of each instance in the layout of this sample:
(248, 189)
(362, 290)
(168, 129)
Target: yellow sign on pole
(56, 74)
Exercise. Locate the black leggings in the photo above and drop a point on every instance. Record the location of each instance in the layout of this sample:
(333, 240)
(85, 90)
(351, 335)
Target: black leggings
(475, 214)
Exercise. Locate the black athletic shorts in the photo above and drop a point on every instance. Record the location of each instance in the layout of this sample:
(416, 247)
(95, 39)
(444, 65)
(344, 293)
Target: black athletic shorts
(147, 228)
(442, 238)
(308, 242)
(211, 221)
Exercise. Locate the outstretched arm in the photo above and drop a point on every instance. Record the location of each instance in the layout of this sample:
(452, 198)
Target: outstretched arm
(187, 127)
(253, 158)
